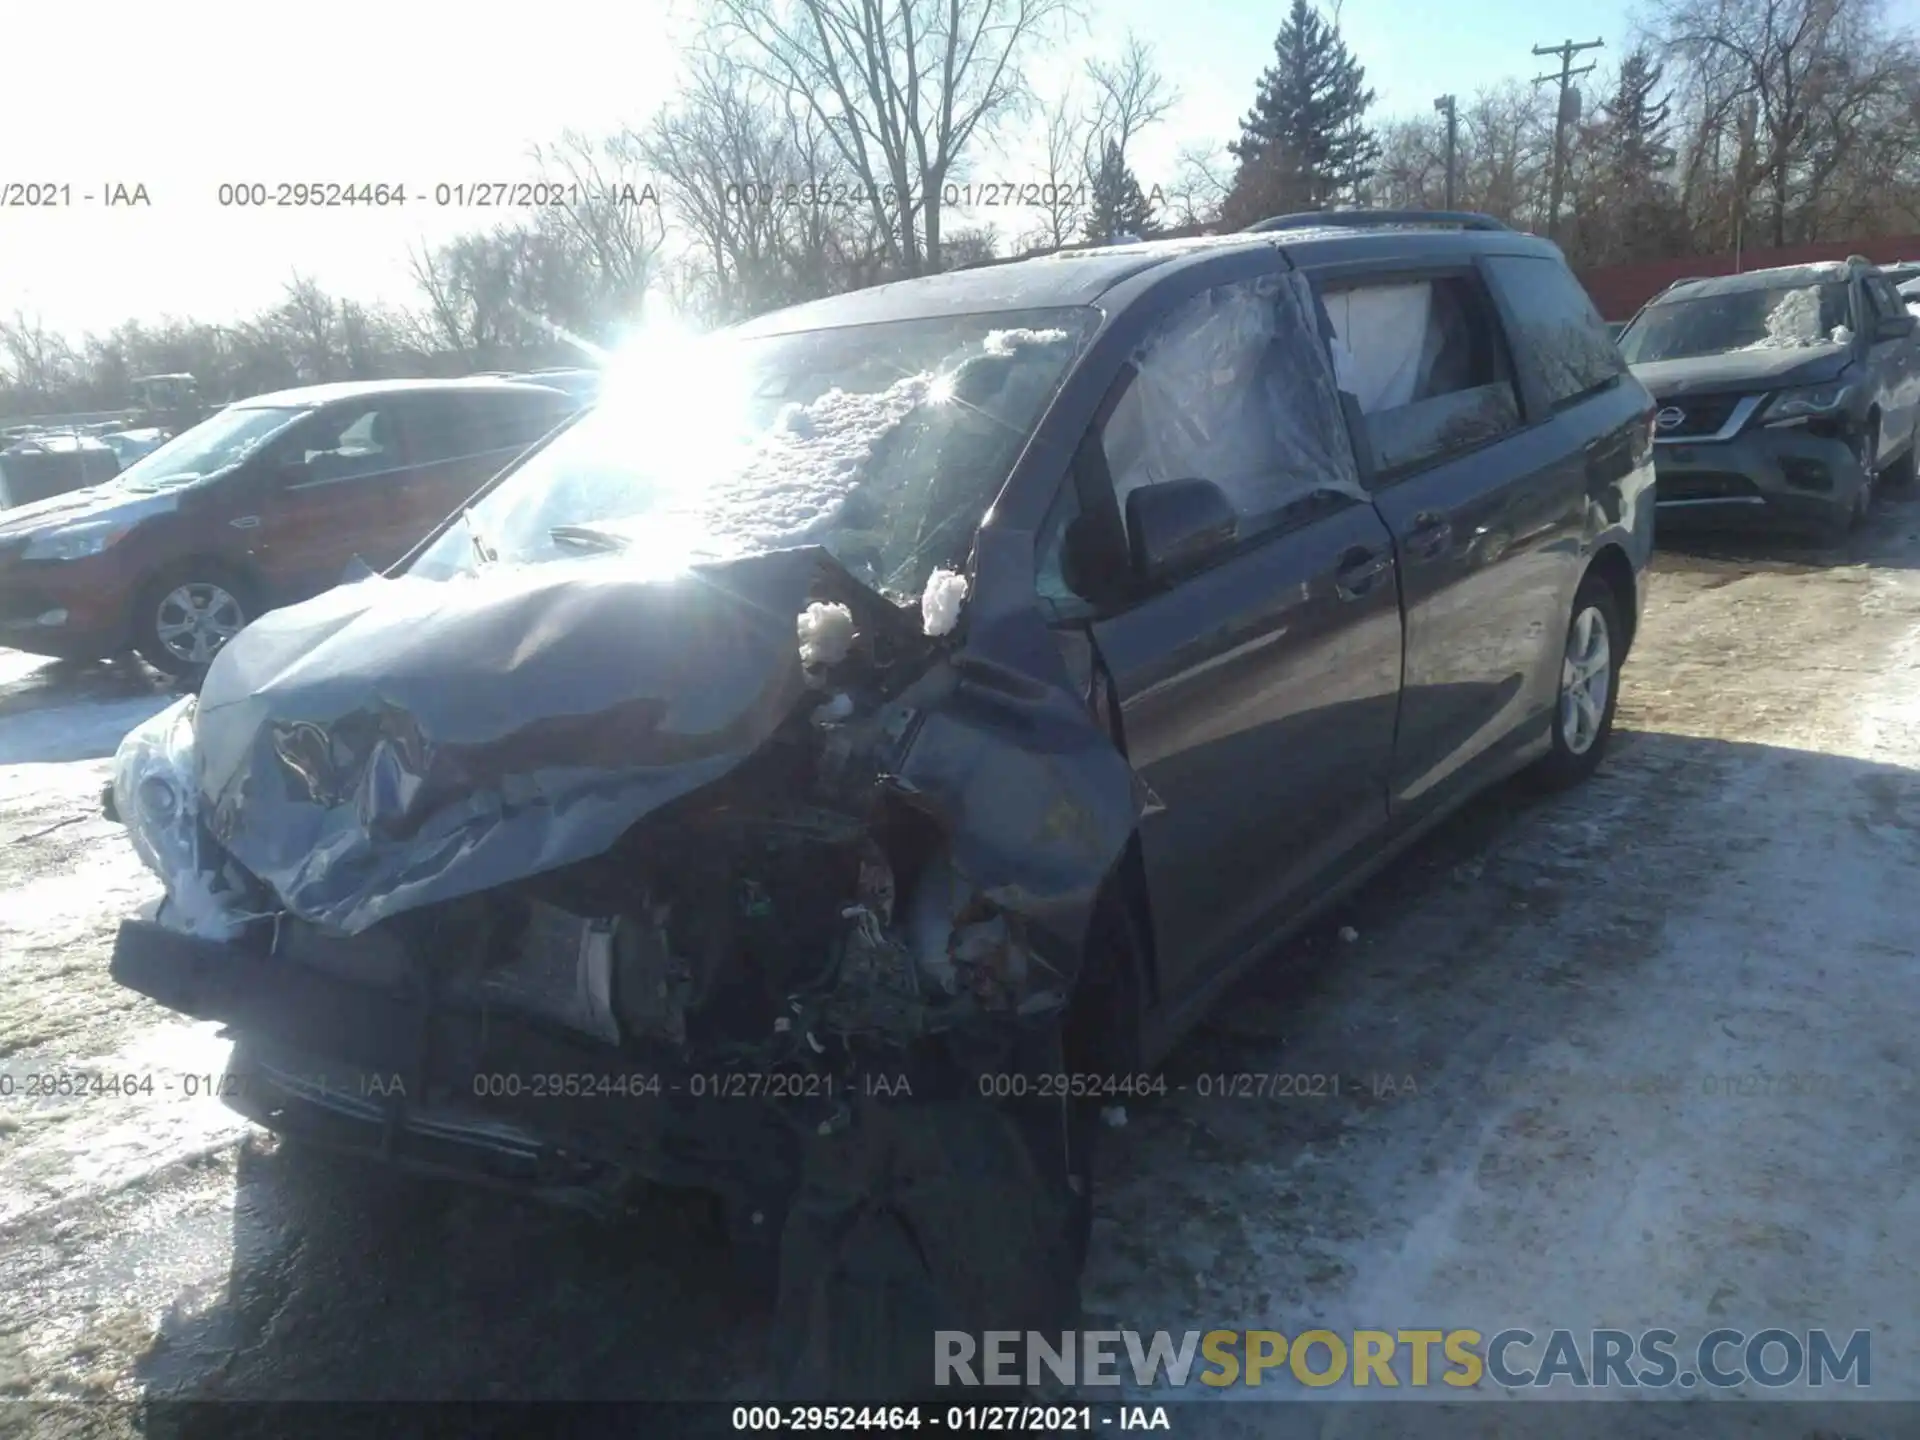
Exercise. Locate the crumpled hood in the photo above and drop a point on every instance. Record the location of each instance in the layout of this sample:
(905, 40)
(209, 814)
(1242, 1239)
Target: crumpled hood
(396, 743)
(1771, 369)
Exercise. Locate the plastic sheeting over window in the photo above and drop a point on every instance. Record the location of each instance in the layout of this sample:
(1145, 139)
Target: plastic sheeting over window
(1422, 361)
(1384, 340)
(1236, 388)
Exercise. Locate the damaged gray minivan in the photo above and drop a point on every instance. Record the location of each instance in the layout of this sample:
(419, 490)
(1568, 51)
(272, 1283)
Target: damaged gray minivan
(832, 768)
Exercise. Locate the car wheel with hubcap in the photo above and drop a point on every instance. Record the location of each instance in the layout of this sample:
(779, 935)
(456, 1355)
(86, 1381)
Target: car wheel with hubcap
(1589, 687)
(187, 616)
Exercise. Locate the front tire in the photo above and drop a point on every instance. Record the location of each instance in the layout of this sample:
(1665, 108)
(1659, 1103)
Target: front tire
(185, 616)
(1590, 665)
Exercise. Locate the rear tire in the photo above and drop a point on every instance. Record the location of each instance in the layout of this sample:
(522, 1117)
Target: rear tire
(186, 614)
(1595, 649)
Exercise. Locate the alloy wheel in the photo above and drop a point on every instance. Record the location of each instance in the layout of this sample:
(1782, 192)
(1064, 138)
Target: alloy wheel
(194, 620)
(1586, 680)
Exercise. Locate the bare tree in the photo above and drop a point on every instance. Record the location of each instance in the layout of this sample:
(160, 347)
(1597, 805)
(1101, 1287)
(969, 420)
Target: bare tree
(774, 215)
(1806, 71)
(1063, 177)
(1202, 177)
(902, 90)
(40, 364)
(1130, 94)
(608, 218)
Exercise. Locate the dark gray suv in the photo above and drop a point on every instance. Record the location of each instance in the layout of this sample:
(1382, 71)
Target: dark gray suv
(1785, 395)
(834, 767)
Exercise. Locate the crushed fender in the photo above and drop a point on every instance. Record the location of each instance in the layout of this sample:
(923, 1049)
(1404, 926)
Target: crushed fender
(630, 802)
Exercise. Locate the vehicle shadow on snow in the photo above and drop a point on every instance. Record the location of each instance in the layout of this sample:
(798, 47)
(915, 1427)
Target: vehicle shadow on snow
(347, 1282)
(65, 710)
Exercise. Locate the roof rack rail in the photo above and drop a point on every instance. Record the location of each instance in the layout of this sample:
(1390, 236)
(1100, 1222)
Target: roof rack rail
(1358, 219)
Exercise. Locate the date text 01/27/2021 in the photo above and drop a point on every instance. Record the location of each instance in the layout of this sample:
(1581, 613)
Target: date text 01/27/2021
(963, 1419)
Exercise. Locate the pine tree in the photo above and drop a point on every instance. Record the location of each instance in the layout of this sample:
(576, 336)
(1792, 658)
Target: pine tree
(1304, 145)
(1640, 217)
(1115, 204)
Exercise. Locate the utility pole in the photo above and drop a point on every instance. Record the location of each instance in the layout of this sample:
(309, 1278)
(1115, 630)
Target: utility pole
(1445, 106)
(1563, 112)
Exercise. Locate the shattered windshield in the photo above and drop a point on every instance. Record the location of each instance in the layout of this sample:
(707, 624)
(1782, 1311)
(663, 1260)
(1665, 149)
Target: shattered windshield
(1762, 318)
(885, 443)
(217, 443)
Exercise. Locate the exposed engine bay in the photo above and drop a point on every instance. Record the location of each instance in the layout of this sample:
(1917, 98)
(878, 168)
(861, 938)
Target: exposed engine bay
(795, 833)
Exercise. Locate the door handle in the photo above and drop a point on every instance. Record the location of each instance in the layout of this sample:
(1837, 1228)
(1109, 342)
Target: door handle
(1360, 570)
(1430, 536)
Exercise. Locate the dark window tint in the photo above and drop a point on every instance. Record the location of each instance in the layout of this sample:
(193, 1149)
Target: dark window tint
(438, 429)
(1559, 331)
(1424, 363)
(1885, 299)
(346, 441)
(501, 425)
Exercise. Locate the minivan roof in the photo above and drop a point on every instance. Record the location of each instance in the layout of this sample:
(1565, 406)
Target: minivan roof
(310, 396)
(1067, 278)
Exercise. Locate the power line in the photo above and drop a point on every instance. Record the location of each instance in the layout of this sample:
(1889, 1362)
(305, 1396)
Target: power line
(1566, 50)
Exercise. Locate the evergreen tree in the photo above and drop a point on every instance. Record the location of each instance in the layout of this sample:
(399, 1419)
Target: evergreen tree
(1115, 204)
(1636, 122)
(1304, 145)
(1637, 217)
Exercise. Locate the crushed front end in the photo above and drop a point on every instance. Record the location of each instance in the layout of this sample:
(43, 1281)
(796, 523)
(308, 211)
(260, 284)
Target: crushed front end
(687, 933)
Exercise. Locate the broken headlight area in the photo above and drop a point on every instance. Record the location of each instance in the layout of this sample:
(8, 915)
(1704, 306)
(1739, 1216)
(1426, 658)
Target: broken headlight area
(156, 796)
(798, 919)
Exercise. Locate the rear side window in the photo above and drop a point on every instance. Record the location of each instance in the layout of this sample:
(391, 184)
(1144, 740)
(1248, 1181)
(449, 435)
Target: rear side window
(1424, 363)
(1559, 331)
(501, 425)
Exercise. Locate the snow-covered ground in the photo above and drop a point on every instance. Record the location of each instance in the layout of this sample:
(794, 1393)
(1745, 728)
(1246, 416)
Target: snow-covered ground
(1650, 1045)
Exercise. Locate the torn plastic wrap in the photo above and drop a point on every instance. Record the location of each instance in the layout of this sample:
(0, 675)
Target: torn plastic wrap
(1191, 411)
(403, 742)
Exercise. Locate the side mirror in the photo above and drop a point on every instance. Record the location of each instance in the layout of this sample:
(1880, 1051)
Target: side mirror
(1896, 327)
(1174, 529)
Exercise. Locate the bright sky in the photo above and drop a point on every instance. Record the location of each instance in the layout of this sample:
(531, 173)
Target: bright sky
(184, 98)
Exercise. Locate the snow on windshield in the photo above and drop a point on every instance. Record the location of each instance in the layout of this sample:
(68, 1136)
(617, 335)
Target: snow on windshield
(1005, 342)
(885, 448)
(801, 472)
(1795, 321)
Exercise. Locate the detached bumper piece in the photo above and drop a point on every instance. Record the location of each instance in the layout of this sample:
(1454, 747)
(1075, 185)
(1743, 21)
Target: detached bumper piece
(481, 1096)
(244, 987)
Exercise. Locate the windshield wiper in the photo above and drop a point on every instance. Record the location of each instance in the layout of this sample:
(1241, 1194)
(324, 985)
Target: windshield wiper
(589, 537)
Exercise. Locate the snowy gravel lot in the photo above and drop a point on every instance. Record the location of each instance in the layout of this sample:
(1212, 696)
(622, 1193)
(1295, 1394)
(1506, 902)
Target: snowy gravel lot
(1567, 996)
